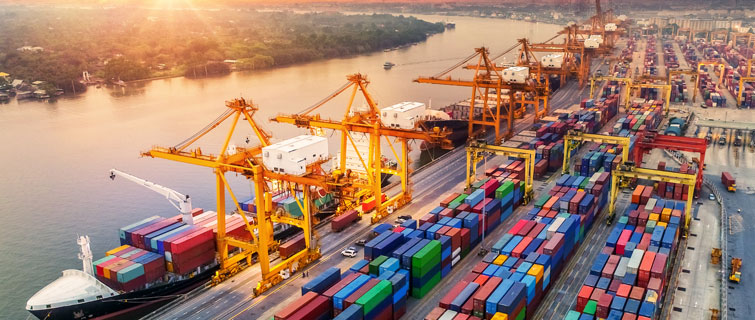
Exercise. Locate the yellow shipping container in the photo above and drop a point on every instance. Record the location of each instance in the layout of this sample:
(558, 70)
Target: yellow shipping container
(500, 316)
(500, 259)
(169, 266)
(537, 271)
(113, 251)
(665, 214)
(661, 224)
(653, 216)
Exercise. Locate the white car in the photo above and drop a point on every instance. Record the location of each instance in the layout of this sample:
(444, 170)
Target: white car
(350, 252)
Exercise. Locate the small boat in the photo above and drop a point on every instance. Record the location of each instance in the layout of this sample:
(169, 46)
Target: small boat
(387, 65)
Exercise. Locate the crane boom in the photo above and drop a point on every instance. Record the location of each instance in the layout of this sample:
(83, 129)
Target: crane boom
(178, 200)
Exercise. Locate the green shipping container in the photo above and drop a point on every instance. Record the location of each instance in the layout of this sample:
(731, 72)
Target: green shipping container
(375, 265)
(420, 293)
(505, 188)
(572, 315)
(584, 184)
(590, 307)
(105, 259)
(624, 220)
(521, 314)
(478, 184)
(426, 258)
(540, 202)
(650, 226)
(130, 273)
(461, 197)
(375, 296)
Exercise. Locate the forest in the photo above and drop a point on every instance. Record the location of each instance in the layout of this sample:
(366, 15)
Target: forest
(57, 44)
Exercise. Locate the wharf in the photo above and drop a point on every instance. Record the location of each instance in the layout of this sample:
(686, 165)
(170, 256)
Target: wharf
(234, 299)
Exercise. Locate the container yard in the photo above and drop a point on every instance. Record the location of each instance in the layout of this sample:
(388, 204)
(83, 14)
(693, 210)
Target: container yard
(588, 206)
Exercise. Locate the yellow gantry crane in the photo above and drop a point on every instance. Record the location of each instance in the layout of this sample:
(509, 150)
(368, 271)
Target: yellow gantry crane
(626, 81)
(369, 122)
(693, 77)
(573, 139)
(486, 77)
(714, 63)
(666, 93)
(245, 161)
(475, 154)
(743, 79)
(626, 173)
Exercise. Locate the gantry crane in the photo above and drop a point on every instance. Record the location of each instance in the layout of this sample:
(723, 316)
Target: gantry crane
(714, 63)
(749, 39)
(369, 122)
(625, 173)
(666, 93)
(245, 161)
(475, 154)
(686, 32)
(648, 141)
(487, 77)
(626, 81)
(573, 140)
(178, 200)
(693, 77)
(745, 78)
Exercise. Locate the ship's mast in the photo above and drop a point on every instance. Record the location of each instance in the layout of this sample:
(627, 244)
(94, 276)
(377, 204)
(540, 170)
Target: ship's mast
(86, 254)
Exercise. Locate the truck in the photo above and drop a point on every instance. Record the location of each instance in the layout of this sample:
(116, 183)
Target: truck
(736, 265)
(738, 138)
(344, 220)
(728, 181)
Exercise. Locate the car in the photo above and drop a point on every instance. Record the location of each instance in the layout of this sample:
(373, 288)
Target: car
(399, 221)
(361, 242)
(350, 252)
(711, 197)
(405, 217)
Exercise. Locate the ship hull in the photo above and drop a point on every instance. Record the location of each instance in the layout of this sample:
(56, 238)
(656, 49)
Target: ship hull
(131, 305)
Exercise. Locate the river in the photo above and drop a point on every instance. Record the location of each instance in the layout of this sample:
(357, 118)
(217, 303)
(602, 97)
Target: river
(57, 155)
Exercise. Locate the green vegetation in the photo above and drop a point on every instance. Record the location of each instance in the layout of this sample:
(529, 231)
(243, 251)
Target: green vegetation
(132, 43)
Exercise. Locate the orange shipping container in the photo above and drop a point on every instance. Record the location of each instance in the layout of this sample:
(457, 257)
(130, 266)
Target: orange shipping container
(637, 194)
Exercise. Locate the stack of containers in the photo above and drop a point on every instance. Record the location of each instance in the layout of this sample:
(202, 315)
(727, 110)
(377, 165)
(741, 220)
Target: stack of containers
(510, 281)
(629, 276)
(128, 268)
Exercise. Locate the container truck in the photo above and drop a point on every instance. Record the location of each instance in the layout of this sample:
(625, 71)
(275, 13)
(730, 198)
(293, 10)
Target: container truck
(728, 181)
(738, 138)
(736, 265)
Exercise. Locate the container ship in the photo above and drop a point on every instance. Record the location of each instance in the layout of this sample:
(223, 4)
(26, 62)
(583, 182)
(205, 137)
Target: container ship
(158, 260)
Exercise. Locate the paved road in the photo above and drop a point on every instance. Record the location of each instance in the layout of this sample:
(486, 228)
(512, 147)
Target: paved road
(739, 225)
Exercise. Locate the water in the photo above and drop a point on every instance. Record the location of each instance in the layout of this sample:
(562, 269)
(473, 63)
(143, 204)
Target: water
(56, 156)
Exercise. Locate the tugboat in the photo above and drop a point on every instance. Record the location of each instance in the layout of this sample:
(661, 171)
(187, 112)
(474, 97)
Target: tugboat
(387, 65)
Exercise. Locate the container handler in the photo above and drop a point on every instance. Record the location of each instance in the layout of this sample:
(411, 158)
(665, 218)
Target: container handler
(728, 181)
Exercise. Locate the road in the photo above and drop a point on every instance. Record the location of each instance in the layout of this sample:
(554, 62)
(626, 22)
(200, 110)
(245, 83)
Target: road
(234, 298)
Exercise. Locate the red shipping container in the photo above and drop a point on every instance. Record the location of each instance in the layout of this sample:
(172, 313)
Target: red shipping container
(657, 285)
(643, 274)
(455, 234)
(482, 294)
(340, 285)
(596, 294)
(447, 213)
(526, 228)
(359, 293)
(465, 238)
(535, 231)
(314, 309)
(448, 199)
(517, 252)
(480, 267)
(441, 231)
(445, 302)
(434, 314)
(604, 306)
(622, 243)
(630, 316)
(658, 269)
(190, 241)
(428, 218)
(291, 247)
(518, 226)
(554, 244)
(584, 295)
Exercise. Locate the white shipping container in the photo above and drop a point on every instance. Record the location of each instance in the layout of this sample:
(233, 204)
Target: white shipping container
(403, 115)
(597, 37)
(635, 260)
(591, 43)
(293, 155)
(516, 74)
(611, 27)
(554, 60)
(554, 227)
